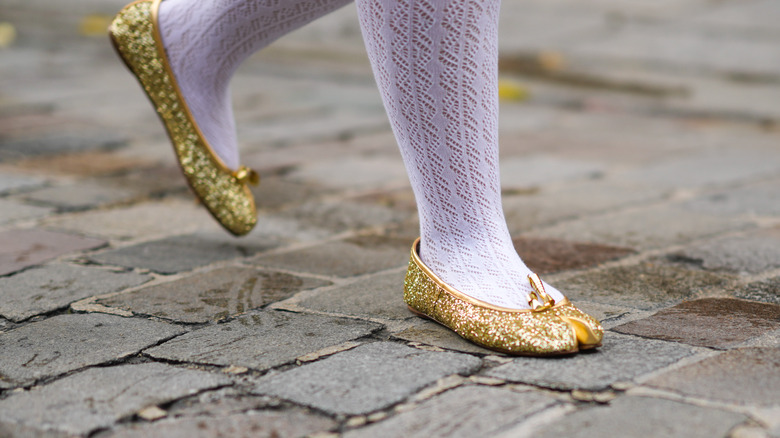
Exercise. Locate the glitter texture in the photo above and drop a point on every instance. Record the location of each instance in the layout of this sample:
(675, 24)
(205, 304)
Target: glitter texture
(513, 331)
(223, 192)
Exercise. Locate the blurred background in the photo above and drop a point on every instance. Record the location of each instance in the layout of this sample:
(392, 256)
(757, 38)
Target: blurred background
(613, 102)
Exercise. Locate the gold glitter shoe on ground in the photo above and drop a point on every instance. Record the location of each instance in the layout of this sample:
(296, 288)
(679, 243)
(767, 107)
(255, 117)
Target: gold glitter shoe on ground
(136, 37)
(547, 329)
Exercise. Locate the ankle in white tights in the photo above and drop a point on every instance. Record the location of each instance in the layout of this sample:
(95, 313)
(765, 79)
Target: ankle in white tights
(435, 62)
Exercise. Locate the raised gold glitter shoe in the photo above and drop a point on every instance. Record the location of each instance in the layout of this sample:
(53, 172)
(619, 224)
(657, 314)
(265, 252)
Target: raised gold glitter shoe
(136, 37)
(547, 329)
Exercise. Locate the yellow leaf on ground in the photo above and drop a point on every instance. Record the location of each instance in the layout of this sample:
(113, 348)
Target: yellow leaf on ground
(7, 34)
(94, 25)
(509, 90)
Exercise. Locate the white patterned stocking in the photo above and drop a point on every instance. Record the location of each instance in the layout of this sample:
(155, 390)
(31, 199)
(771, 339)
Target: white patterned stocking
(436, 63)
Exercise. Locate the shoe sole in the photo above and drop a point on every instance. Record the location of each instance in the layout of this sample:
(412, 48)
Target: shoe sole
(498, 350)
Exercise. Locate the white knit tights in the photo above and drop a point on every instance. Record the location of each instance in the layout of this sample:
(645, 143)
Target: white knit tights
(435, 62)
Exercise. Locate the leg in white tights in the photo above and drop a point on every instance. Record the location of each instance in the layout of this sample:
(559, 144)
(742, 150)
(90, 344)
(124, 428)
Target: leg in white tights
(436, 65)
(435, 62)
(206, 41)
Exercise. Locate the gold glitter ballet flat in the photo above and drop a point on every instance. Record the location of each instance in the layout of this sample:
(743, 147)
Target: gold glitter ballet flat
(224, 192)
(547, 329)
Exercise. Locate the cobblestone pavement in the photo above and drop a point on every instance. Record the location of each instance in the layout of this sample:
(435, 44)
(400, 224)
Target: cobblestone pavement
(641, 170)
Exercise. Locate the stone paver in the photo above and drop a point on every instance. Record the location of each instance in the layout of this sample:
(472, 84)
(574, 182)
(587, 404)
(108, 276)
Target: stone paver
(745, 376)
(462, 412)
(55, 286)
(761, 199)
(603, 312)
(80, 196)
(338, 217)
(753, 252)
(621, 358)
(262, 340)
(179, 253)
(767, 291)
(376, 296)
(344, 258)
(89, 163)
(20, 249)
(431, 333)
(252, 424)
(212, 295)
(12, 211)
(551, 255)
(555, 203)
(98, 397)
(644, 228)
(675, 46)
(365, 379)
(69, 342)
(755, 15)
(12, 182)
(139, 220)
(224, 401)
(56, 144)
(710, 322)
(521, 172)
(352, 172)
(643, 417)
(647, 285)
(276, 193)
